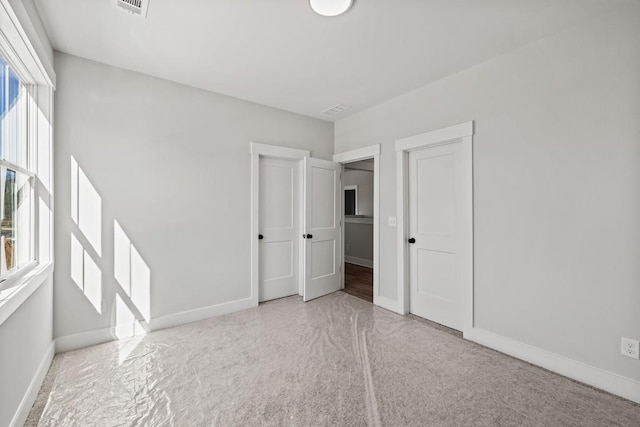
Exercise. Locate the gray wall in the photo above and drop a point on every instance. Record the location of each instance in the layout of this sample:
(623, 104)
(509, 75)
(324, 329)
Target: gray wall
(359, 238)
(25, 337)
(171, 165)
(556, 182)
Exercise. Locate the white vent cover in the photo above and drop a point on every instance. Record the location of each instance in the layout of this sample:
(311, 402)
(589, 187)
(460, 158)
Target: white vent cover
(134, 7)
(336, 109)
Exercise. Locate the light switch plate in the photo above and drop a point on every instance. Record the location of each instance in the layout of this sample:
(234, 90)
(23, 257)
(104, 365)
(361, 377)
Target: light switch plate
(392, 221)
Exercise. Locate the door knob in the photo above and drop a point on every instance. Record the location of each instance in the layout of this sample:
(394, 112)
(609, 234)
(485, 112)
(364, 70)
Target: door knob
(412, 240)
(309, 236)
(260, 237)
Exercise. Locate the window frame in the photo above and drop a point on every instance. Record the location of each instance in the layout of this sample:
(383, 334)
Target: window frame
(29, 131)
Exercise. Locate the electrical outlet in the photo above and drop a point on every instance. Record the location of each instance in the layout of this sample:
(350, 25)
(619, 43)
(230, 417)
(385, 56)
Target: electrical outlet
(630, 348)
(392, 221)
(347, 246)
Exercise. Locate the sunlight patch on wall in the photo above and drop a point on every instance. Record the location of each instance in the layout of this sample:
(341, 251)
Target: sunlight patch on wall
(77, 262)
(86, 274)
(140, 284)
(132, 272)
(86, 207)
(92, 282)
(121, 258)
(126, 324)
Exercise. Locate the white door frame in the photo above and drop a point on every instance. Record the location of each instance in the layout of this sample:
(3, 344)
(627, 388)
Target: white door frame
(274, 151)
(461, 133)
(372, 151)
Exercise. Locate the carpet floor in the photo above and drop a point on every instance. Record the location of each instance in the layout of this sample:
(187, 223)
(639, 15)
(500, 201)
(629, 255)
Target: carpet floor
(334, 361)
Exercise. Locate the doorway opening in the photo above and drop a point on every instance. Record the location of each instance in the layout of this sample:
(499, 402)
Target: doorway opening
(360, 223)
(358, 183)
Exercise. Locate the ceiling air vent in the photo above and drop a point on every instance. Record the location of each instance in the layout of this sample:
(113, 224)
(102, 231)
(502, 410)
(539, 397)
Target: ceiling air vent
(336, 109)
(134, 7)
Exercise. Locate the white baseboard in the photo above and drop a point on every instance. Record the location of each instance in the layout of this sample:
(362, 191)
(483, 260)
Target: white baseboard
(99, 336)
(359, 261)
(184, 317)
(31, 394)
(579, 371)
(84, 339)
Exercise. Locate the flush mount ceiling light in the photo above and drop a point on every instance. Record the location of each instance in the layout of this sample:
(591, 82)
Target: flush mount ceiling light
(330, 7)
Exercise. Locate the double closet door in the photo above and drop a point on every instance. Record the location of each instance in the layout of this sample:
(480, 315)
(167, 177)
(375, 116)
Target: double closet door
(299, 223)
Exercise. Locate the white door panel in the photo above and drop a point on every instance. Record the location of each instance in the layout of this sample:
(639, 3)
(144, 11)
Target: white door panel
(435, 222)
(279, 228)
(322, 228)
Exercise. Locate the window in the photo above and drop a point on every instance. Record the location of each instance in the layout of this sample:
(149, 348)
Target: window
(16, 176)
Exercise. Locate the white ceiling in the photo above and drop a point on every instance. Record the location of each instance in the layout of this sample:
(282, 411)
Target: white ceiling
(279, 53)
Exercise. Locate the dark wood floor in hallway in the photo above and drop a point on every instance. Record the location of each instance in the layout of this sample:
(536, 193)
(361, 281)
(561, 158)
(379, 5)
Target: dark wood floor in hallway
(358, 281)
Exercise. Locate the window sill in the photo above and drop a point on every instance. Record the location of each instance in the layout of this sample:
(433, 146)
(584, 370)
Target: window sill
(11, 298)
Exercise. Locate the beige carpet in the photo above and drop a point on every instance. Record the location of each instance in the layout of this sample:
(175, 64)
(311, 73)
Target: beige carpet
(335, 361)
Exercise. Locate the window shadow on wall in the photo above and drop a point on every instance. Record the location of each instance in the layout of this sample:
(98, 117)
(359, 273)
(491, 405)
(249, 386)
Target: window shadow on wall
(130, 306)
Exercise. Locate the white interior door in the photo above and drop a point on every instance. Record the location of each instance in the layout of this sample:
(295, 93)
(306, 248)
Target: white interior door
(279, 231)
(322, 236)
(436, 230)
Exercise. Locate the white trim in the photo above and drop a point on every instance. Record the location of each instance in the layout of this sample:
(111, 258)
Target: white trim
(14, 166)
(435, 137)
(357, 154)
(31, 394)
(371, 151)
(197, 314)
(15, 277)
(257, 150)
(84, 339)
(12, 297)
(362, 262)
(402, 224)
(99, 336)
(596, 377)
(461, 133)
(255, 227)
(23, 54)
(277, 151)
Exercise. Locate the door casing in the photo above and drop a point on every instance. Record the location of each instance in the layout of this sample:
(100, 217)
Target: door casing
(463, 134)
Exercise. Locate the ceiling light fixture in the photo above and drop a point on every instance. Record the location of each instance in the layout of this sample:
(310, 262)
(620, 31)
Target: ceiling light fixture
(330, 7)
